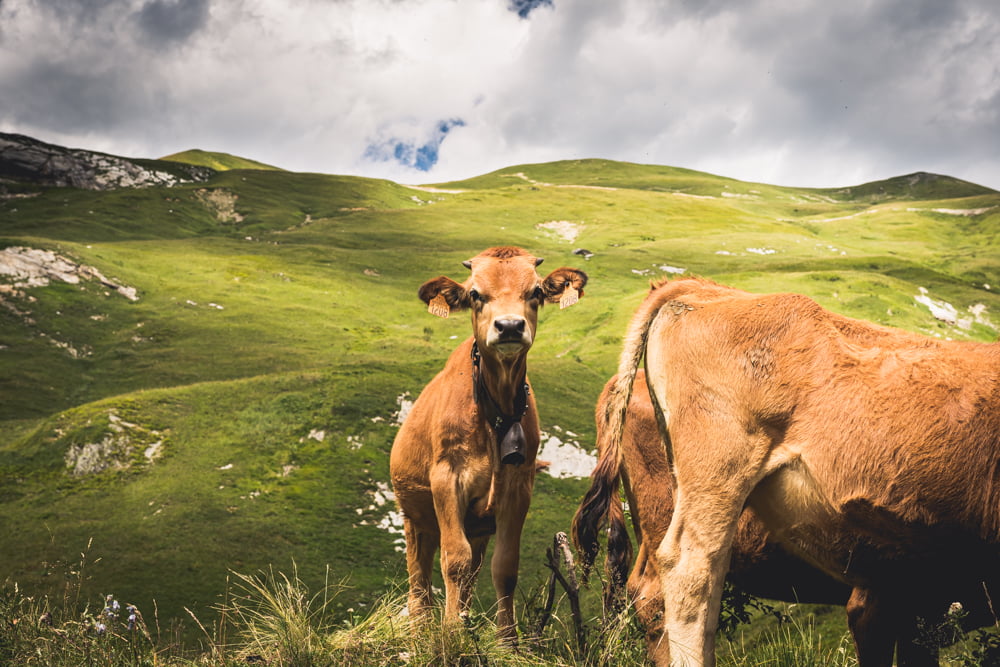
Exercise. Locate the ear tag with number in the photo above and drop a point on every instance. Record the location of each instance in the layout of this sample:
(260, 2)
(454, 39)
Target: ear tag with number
(438, 306)
(569, 296)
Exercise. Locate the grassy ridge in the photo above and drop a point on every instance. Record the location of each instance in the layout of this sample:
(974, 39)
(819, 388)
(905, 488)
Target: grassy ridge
(216, 161)
(299, 315)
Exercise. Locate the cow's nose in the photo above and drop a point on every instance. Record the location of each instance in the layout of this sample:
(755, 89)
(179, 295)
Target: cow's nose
(509, 327)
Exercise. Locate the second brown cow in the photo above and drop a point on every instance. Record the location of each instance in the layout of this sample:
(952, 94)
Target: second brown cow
(758, 565)
(871, 453)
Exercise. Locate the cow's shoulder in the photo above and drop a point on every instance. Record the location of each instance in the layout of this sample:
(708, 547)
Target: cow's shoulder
(449, 397)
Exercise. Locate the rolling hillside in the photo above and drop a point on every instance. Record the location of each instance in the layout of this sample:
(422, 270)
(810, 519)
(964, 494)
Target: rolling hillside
(216, 161)
(203, 373)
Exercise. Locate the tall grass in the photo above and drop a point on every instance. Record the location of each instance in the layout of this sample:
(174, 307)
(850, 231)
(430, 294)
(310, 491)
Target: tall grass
(796, 642)
(278, 620)
(73, 630)
(270, 618)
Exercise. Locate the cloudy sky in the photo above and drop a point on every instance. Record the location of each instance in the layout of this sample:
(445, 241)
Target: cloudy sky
(790, 92)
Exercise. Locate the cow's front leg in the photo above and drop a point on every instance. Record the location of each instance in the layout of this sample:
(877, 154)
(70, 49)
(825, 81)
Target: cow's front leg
(510, 516)
(457, 562)
(420, 548)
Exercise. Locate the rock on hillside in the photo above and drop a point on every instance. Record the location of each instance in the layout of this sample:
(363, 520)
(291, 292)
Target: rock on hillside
(23, 159)
(30, 267)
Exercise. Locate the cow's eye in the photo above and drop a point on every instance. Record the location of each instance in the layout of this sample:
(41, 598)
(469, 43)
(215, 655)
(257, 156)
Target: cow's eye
(474, 295)
(537, 294)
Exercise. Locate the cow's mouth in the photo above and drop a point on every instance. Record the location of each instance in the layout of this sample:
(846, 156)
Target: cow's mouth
(510, 346)
(513, 339)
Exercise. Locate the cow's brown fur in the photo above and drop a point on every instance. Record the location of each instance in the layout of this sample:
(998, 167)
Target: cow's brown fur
(871, 453)
(446, 473)
(758, 566)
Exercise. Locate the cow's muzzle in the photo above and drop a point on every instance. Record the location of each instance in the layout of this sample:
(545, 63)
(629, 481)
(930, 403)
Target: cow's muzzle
(509, 329)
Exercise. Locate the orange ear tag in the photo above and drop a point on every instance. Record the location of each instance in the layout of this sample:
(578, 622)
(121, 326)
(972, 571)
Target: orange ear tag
(569, 296)
(438, 306)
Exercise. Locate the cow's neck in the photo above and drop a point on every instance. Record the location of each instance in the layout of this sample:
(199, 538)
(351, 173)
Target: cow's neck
(503, 379)
(501, 390)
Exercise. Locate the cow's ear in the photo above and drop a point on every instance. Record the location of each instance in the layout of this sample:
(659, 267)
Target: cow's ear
(564, 285)
(443, 295)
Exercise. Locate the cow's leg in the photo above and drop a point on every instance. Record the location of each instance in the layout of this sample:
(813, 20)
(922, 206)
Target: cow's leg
(420, 548)
(644, 593)
(478, 546)
(693, 559)
(450, 505)
(718, 460)
(510, 518)
(880, 625)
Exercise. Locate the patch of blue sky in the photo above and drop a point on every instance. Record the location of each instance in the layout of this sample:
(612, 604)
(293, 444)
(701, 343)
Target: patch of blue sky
(410, 152)
(524, 7)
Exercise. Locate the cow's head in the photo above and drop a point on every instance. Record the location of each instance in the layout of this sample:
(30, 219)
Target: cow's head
(504, 293)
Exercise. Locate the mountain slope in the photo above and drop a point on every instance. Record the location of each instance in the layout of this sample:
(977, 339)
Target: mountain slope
(217, 161)
(242, 405)
(920, 185)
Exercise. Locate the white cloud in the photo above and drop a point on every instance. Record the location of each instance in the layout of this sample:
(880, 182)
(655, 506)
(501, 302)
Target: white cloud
(796, 93)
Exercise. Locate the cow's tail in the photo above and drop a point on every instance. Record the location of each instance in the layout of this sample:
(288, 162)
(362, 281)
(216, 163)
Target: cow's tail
(619, 558)
(596, 507)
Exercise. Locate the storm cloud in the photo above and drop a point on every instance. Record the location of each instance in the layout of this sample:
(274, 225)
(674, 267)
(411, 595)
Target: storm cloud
(788, 92)
(169, 21)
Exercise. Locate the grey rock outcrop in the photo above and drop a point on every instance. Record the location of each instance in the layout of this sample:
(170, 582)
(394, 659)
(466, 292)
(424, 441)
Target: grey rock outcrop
(30, 267)
(27, 160)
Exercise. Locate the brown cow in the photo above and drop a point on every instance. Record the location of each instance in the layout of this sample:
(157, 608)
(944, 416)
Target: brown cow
(871, 453)
(759, 566)
(463, 463)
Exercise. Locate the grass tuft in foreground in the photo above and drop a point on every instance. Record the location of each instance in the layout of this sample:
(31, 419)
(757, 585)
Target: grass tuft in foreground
(278, 621)
(795, 642)
(36, 632)
(273, 619)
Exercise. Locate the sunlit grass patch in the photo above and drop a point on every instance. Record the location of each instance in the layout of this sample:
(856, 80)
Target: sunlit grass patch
(796, 641)
(278, 620)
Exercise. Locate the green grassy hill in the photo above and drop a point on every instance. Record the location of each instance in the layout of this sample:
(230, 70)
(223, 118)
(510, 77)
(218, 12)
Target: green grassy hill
(216, 161)
(244, 403)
